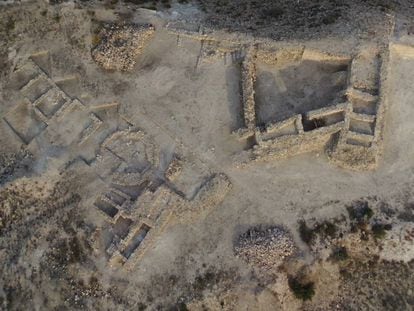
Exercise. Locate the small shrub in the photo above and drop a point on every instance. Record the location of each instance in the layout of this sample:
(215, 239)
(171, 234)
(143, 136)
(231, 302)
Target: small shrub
(303, 291)
(331, 18)
(166, 4)
(274, 12)
(306, 233)
(180, 306)
(380, 230)
(339, 254)
(326, 229)
(10, 25)
(96, 40)
(360, 211)
(406, 215)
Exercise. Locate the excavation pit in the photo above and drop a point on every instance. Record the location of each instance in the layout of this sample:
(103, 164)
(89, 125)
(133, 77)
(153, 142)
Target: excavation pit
(296, 88)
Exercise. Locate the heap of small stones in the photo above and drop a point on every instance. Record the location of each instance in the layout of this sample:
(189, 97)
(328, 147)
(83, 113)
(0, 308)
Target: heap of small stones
(121, 45)
(265, 248)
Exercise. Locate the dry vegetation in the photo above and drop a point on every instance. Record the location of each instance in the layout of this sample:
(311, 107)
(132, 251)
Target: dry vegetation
(149, 143)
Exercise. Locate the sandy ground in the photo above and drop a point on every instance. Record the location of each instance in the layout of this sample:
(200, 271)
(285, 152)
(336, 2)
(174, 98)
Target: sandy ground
(59, 249)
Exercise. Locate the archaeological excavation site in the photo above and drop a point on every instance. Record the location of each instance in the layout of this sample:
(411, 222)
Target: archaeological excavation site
(207, 155)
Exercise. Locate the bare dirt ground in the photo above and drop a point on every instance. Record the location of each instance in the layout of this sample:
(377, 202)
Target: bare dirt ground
(210, 155)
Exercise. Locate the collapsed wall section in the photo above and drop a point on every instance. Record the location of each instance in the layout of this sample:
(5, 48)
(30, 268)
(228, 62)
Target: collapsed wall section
(299, 134)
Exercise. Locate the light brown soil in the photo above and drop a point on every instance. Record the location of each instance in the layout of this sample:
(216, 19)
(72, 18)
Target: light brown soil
(133, 188)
